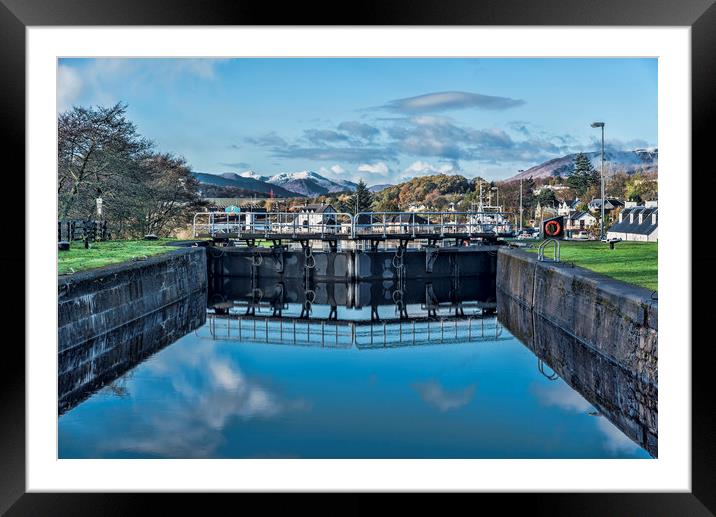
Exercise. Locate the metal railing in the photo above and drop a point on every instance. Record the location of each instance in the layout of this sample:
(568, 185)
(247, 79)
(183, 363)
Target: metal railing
(555, 251)
(341, 224)
(271, 224)
(366, 224)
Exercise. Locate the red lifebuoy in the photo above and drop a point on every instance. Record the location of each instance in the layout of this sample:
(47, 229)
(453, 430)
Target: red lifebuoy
(552, 228)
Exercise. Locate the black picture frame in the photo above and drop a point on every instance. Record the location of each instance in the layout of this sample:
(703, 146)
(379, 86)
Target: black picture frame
(700, 15)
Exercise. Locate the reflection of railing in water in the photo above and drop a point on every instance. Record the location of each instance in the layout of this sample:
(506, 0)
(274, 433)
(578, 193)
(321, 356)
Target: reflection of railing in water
(459, 296)
(349, 333)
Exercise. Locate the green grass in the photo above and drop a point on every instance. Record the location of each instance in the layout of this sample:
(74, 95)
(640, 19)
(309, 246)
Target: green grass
(109, 252)
(632, 262)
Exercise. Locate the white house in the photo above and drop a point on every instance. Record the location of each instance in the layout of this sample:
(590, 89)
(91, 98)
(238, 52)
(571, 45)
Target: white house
(578, 221)
(567, 206)
(316, 218)
(595, 205)
(636, 224)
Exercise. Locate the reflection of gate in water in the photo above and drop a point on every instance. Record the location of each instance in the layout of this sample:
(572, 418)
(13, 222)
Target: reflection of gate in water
(348, 333)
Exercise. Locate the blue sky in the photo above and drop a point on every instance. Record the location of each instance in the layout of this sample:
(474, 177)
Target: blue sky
(377, 119)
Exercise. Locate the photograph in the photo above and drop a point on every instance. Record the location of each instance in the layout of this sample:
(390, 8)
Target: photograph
(412, 249)
(358, 257)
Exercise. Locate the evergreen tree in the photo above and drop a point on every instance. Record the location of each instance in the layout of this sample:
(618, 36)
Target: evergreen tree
(584, 175)
(362, 199)
(546, 198)
(528, 196)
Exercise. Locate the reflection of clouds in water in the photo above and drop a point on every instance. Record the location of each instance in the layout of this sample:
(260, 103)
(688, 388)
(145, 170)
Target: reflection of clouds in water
(561, 395)
(207, 391)
(615, 441)
(435, 395)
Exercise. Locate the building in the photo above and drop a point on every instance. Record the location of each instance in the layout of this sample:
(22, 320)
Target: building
(567, 206)
(545, 212)
(553, 188)
(579, 221)
(316, 217)
(595, 205)
(638, 223)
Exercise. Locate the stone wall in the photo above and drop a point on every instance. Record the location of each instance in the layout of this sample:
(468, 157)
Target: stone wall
(617, 319)
(628, 402)
(111, 318)
(599, 334)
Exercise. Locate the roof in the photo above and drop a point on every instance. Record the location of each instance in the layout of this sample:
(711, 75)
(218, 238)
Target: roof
(611, 202)
(318, 208)
(578, 215)
(645, 228)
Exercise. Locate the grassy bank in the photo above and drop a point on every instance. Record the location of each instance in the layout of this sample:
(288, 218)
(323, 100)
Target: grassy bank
(110, 252)
(632, 262)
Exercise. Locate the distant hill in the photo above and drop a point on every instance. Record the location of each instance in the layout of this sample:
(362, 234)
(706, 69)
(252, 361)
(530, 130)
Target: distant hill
(614, 161)
(285, 184)
(249, 185)
(378, 188)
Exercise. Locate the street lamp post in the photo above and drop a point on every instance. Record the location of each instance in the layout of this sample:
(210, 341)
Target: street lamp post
(520, 200)
(601, 222)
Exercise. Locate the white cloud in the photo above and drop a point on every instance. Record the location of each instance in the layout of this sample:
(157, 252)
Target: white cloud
(424, 168)
(69, 86)
(443, 101)
(374, 168)
(208, 390)
(96, 81)
(334, 171)
(434, 394)
(561, 395)
(615, 442)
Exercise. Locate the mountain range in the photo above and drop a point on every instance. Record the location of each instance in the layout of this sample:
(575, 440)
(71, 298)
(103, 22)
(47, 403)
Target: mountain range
(310, 183)
(285, 184)
(614, 161)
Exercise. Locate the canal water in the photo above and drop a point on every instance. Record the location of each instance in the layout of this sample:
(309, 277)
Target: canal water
(353, 380)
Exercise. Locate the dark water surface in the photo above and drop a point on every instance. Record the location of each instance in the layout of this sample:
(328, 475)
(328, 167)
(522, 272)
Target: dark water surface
(463, 388)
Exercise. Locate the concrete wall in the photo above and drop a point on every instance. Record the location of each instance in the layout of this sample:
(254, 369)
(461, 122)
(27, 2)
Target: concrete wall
(111, 318)
(616, 321)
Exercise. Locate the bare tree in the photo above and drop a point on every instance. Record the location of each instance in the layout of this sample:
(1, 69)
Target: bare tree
(169, 194)
(94, 144)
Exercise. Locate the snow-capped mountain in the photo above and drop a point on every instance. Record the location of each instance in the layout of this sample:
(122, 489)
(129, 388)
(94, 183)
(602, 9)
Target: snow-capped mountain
(285, 184)
(253, 175)
(614, 161)
(310, 183)
(226, 181)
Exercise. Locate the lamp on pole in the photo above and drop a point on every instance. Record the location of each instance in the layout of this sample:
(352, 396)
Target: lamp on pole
(601, 222)
(519, 171)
